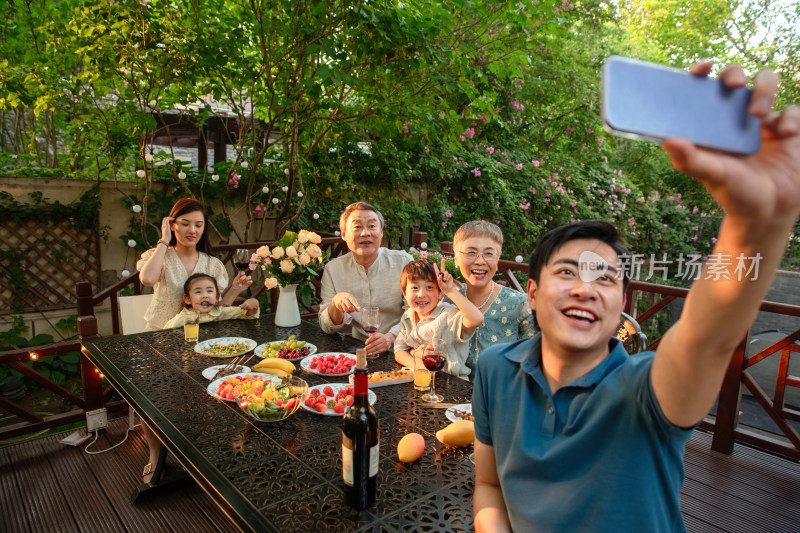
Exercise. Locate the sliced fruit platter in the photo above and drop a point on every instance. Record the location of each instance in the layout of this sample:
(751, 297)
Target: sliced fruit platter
(329, 364)
(290, 349)
(270, 398)
(222, 388)
(389, 377)
(332, 399)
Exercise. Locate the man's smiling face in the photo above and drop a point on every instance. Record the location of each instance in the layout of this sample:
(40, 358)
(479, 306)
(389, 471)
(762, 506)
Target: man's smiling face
(579, 297)
(363, 233)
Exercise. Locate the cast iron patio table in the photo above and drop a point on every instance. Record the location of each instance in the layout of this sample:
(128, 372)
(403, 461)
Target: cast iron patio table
(287, 476)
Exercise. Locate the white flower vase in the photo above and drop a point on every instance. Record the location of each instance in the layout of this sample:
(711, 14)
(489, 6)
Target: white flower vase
(287, 315)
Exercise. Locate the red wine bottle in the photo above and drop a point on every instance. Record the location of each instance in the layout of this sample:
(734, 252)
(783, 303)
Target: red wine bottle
(360, 437)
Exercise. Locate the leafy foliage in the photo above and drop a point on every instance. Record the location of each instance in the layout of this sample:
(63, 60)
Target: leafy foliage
(437, 112)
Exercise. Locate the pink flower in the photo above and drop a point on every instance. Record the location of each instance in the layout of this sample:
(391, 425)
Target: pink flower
(423, 254)
(462, 138)
(470, 132)
(490, 149)
(444, 224)
(474, 123)
(640, 200)
(519, 166)
(536, 163)
(448, 214)
(525, 206)
(476, 172)
(713, 240)
(694, 238)
(631, 222)
(694, 210)
(474, 195)
(666, 226)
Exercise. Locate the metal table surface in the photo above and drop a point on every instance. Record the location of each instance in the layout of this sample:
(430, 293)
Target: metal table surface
(287, 476)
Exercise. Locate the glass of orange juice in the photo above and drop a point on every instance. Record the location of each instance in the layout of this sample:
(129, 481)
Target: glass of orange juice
(422, 376)
(191, 326)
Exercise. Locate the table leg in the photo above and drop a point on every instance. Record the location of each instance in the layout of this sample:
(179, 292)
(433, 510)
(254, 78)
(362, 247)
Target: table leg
(158, 485)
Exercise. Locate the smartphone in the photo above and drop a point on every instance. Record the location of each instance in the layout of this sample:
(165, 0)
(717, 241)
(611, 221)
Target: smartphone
(645, 100)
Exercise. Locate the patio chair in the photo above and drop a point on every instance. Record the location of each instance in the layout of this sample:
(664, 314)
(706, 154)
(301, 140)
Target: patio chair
(131, 312)
(631, 334)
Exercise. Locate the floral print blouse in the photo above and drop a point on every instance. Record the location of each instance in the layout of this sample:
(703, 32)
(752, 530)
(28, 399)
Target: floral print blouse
(507, 319)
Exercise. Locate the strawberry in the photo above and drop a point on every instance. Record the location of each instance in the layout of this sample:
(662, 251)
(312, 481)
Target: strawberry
(328, 390)
(349, 400)
(289, 404)
(311, 401)
(338, 408)
(321, 407)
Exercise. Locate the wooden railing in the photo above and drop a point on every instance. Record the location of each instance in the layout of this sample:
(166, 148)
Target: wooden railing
(724, 426)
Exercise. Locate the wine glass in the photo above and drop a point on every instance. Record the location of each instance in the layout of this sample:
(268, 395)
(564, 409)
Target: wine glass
(434, 360)
(370, 321)
(241, 260)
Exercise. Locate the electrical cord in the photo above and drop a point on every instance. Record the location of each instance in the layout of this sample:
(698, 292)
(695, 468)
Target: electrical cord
(131, 427)
(97, 435)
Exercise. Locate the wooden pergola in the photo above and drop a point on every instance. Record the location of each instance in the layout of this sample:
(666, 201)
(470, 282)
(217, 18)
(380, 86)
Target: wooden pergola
(215, 133)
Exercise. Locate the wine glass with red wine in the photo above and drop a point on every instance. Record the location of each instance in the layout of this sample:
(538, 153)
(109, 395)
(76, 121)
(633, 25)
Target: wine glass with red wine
(370, 322)
(241, 260)
(434, 360)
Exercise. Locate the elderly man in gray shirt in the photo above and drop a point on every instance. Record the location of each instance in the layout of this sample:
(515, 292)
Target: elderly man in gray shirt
(368, 275)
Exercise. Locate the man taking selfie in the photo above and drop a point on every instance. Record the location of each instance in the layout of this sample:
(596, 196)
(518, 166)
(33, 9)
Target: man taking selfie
(572, 434)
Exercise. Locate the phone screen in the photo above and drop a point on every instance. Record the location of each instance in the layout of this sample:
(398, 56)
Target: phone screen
(647, 100)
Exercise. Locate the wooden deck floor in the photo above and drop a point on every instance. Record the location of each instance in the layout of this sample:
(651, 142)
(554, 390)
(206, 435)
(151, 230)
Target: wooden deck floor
(45, 486)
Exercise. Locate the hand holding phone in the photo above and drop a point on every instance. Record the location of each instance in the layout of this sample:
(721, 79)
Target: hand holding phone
(643, 99)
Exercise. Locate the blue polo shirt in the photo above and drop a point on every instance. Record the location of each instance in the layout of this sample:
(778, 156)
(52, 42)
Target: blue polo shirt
(598, 455)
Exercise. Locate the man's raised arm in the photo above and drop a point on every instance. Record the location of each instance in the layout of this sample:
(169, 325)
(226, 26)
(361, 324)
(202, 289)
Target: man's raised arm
(760, 194)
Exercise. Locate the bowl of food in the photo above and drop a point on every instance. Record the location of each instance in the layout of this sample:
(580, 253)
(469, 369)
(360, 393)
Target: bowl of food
(270, 398)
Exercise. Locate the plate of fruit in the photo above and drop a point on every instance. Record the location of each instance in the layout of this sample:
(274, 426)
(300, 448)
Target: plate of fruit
(329, 364)
(222, 388)
(270, 398)
(225, 346)
(332, 399)
(291, 349)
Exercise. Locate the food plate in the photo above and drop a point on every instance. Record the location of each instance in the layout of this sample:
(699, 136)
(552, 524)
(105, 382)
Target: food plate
(223, 347)
(214, 385)
(384, 378)
(336, 387)
(211, 371)
(306, 362)
(260, 348)
(451, 411)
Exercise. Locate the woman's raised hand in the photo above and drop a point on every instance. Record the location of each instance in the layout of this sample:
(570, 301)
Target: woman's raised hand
(166, 230)
(242, 281)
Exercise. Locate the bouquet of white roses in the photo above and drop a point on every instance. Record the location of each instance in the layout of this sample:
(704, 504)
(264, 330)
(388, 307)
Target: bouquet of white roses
(295, 259)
